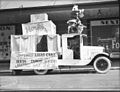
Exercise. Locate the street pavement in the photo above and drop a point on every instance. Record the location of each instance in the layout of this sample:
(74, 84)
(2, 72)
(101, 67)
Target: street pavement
(62, 80)
(74, 79)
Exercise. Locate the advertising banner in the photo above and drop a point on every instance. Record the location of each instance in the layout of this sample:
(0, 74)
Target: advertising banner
(5, 32)
(112, 46)
(39, 28)
(35, 60)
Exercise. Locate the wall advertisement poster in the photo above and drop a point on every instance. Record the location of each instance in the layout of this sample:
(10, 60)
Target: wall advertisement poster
(5, 32)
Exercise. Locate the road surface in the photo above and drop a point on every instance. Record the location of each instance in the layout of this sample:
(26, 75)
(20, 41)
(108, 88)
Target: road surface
(56, 80)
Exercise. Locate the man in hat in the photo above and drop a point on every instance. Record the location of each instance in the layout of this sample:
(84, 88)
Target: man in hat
(74, 24)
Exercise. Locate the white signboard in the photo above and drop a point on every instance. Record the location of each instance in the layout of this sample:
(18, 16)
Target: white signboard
(5, 32)
(36, 60)
(105, 22)
(39, 28)
(39, 17)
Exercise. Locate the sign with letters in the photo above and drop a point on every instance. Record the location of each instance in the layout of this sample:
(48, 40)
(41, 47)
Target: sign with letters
(35, 60)
(105, 22)
(38, 28)
(106, 33)
(5, 33)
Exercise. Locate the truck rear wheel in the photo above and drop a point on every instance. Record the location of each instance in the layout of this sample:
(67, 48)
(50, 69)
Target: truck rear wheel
(40, 72)
(102, 64)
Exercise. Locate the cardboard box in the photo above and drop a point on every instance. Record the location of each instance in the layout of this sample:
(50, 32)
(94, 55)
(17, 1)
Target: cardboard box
(39, 28)
(39, 17)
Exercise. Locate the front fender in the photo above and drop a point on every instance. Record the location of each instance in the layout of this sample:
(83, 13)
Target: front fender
(100, 54)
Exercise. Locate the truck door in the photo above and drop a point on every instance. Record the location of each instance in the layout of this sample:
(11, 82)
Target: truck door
(71, 46)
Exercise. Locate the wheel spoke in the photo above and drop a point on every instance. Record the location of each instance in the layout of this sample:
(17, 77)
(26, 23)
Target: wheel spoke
(102, 64)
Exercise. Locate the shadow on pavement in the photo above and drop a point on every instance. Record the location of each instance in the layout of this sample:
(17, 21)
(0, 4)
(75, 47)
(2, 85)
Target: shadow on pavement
(55, 72)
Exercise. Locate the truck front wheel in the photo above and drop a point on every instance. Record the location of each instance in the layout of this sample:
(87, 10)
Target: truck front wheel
(102, 64)
(40, 72)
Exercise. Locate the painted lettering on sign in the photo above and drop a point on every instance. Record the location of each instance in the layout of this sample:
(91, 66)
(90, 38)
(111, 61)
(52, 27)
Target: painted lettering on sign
(37, 60)
(3, 28)
(34, 27)
(115, 44)
(20, 63)
(31, 55)
(105, 22)
(110, 22)
(5, 32)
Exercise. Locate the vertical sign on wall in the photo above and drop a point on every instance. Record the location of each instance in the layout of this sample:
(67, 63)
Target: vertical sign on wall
(5, 32)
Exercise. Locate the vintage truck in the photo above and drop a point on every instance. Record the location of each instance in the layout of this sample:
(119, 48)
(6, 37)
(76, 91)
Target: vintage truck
(42, 50)
(71, 52)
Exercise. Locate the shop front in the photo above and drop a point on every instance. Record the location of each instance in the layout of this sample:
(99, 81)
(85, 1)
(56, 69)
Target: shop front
(106, 33)
(11, 21)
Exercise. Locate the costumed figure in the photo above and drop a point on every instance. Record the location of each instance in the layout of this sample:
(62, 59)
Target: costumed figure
(74, 24)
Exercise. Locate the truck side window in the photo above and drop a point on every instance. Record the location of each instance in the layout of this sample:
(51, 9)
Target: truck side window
(73, 43)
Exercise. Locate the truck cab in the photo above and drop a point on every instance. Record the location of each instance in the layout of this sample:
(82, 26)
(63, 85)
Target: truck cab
(75, 53)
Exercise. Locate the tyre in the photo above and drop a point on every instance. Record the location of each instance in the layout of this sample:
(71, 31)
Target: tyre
(16, 72)
(40, 72)
(102, 64)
